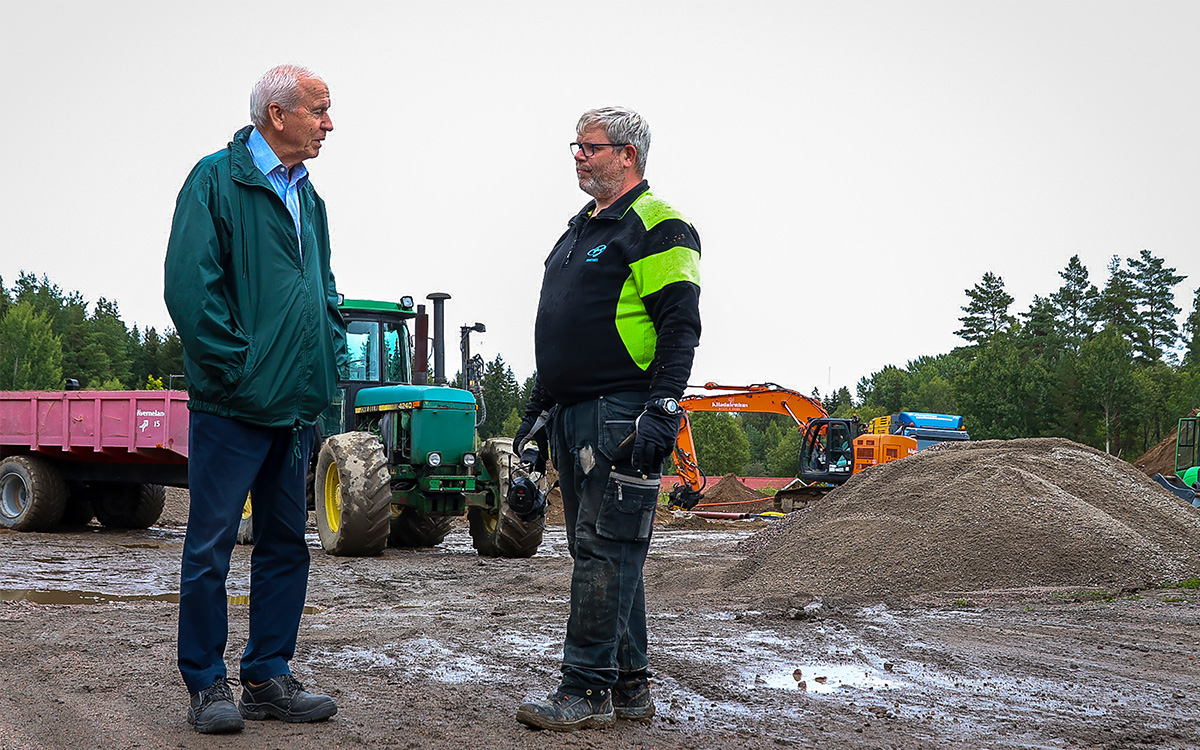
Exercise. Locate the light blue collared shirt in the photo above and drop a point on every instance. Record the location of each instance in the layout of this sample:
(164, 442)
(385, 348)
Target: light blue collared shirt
(286, 186)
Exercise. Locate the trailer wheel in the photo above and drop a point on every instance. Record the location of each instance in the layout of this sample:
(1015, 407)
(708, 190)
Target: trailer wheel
(412, 528)
(33, 494)
(129, 505)
(498, 531)
(353, 495)
(77, 511)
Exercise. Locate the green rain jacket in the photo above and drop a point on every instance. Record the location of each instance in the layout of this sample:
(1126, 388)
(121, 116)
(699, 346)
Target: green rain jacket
(262, 335)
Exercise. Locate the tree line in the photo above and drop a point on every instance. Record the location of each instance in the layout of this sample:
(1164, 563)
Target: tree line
(1109, 367)
(48, 335)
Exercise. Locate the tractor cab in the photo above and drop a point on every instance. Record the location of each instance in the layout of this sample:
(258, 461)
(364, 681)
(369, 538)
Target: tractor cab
(379, 351)
(1187, 451)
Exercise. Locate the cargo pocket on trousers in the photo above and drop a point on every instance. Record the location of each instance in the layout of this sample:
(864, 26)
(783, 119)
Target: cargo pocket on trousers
(627, 511)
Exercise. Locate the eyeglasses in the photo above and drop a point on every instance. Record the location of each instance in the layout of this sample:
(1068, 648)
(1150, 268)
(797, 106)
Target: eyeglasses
(589, 149)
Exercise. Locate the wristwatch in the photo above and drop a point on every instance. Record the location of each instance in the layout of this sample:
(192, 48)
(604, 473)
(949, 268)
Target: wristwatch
(668, 406)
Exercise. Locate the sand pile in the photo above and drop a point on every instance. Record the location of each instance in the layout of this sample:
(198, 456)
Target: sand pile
(993, 514)
(1161, 458)
(729, 495)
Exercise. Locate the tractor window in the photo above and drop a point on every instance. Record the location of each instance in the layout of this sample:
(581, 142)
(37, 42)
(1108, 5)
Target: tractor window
(395, 340)
(362, 345)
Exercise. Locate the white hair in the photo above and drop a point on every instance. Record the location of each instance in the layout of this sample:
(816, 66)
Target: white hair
(622, 125)
(279, 85)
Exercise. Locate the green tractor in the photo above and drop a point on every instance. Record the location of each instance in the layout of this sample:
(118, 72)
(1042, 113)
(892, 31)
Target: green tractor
(398, 458)
(1187, 451)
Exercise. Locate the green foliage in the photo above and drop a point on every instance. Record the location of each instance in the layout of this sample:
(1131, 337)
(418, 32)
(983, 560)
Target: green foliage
(721, 444)
(30, 353)
(987, 311)
(501, 395)
(784, 459)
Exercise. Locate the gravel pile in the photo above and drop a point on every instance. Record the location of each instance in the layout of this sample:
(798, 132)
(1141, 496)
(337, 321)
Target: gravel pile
(1042, 512)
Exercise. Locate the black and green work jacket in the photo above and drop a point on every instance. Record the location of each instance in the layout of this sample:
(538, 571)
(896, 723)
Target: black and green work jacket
(620, 303)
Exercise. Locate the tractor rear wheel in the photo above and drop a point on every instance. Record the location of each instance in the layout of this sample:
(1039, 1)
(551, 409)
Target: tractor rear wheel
(129, 505)
(353, 495)
(498, 531)
(33, 494)
(412, 528)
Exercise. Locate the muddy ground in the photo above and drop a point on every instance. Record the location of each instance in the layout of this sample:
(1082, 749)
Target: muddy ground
(435, 648)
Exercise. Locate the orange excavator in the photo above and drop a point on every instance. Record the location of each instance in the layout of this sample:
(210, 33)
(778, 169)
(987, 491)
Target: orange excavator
(832, 449)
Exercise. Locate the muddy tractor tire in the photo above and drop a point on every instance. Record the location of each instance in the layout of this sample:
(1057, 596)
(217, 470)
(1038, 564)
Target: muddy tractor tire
(129, 505)
(501, 532)
(246, 524)
(411, 528)
(353, 495)
(33, 494)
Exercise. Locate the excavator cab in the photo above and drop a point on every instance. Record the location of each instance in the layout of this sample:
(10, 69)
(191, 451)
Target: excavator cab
(827, 451)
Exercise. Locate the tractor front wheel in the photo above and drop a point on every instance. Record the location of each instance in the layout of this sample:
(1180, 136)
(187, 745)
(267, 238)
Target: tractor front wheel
(353, 495)
(498, 531)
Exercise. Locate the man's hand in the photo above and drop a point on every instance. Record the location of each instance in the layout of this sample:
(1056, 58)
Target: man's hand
(654, 440)
(533, 427)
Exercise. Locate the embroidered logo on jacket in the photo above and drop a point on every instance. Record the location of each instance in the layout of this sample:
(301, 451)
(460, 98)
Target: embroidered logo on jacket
(594, 253)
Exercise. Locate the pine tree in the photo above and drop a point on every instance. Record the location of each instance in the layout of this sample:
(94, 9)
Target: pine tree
(1117, 306)
(987, 310)
(1191, 334)
(1156, 332)
(1076, 302)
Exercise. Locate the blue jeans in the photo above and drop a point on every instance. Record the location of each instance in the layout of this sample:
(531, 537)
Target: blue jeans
(609, 510)
(226, 460)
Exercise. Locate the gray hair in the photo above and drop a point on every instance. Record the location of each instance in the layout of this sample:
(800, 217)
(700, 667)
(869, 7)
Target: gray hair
(281, 85)
(622, 126)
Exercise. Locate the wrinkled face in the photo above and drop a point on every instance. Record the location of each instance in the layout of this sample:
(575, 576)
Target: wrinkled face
(603, 174)
(300, 132)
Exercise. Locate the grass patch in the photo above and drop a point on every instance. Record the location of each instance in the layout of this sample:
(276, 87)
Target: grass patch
(1176, 600)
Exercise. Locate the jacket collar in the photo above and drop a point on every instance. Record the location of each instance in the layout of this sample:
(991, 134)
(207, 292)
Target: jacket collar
(242, 166)
(622, 204)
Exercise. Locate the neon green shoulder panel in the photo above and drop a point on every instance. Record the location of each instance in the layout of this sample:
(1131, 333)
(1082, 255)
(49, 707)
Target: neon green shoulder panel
(649, 275)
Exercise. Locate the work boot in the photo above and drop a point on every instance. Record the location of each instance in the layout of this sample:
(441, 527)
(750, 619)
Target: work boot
(211, 711)
(565, 713)
(633, 701)
(284, 698)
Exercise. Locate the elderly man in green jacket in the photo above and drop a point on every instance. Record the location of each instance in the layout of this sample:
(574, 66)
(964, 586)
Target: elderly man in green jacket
(251, 293)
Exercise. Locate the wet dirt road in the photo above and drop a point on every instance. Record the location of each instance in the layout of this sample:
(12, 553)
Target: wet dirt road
(435, 649)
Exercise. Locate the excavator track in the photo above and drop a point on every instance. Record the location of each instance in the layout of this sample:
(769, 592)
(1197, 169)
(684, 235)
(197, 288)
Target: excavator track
(791, 499)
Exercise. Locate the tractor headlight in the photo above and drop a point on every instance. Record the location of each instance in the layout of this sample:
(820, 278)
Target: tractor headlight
(468, 459)
(434, 459)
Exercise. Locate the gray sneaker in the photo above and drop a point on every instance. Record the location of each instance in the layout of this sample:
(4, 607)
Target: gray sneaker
(211, 711)
(566, 713)
(633, 702)
(284, 698)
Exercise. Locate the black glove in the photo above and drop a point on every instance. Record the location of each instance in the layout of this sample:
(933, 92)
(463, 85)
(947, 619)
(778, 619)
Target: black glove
(654, 440)
(533, 427)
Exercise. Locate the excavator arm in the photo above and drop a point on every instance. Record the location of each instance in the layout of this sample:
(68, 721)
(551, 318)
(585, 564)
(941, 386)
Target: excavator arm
(761, 398)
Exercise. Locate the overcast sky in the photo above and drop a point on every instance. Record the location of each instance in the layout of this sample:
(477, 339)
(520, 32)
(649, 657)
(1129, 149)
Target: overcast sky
(851, 167)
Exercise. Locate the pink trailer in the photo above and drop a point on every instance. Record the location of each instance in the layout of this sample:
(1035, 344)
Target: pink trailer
(69, 456)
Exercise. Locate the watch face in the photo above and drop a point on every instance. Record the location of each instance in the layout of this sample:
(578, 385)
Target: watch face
(670, 406)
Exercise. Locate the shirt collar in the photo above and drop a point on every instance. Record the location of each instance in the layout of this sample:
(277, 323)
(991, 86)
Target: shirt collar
(266, 160)
(621, 205)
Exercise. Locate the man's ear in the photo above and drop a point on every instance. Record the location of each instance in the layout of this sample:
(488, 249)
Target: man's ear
(275, 112)
(628, 155)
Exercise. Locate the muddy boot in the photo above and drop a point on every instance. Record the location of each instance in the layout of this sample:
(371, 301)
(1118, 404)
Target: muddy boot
(284, 698)
(566, 713)
(211, 711)
(633, 701)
